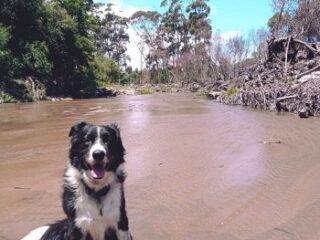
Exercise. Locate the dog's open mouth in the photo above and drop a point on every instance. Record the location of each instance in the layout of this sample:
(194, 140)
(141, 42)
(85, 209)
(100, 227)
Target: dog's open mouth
(98, 171)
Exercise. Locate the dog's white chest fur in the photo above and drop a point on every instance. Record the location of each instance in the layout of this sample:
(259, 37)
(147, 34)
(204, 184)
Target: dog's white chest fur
(94, 217)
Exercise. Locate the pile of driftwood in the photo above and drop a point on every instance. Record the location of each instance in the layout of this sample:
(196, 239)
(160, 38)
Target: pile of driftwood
(287, 80)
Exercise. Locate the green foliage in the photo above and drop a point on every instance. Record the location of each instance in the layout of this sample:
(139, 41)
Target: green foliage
(4, 51)
(4, 36)
(198, 22)
(25, 20)
(66, 46)
(174, 27)
(159, 76)
(131, 76)
(85, 46)
(17, 89)
(145, 90)
(51, 41)
(73, 47)
(272, 22)
(36, 59)
(231, 91)
(79, 10)
(202, 94)
(106, 71)
(85, 79)
(6, 98)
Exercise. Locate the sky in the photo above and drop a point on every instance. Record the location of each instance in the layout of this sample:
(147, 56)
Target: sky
(229, 17)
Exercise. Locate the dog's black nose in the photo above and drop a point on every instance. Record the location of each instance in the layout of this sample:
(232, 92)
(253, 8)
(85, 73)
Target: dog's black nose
(98, 155)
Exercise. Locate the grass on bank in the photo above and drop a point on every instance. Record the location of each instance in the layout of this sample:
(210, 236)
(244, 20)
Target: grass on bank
(231, 91)
(202, 94)
(145, 90)
(6, 98)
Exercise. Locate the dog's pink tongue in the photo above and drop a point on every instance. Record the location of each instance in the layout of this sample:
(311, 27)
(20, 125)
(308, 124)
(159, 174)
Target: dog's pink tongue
(97, 172)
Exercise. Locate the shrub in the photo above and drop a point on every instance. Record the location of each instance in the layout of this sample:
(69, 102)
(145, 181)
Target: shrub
(18, 89)
(5, 56)
(36, 60)
(232, 90)
(106, 71)
(145, 90)
(6, 98)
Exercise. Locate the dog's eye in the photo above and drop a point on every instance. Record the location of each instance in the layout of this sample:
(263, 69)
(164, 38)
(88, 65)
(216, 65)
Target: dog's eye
(105, 138)
(88, 139)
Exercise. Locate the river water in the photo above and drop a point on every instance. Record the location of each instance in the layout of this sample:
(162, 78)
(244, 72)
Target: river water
(196, 169)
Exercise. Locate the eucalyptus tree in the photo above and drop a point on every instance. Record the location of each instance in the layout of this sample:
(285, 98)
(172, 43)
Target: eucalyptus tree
(199, 24)
(175, 36)
(146, 25)
(174, 29)
(112, 36)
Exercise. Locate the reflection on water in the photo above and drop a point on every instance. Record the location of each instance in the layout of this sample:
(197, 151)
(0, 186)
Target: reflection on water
(197, 170)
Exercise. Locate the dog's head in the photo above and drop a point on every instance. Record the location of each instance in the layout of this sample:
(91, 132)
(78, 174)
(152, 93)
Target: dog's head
(96, 151)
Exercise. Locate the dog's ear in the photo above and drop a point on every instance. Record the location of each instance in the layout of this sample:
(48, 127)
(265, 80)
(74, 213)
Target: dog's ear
(76, 128)
(115, 128)
(119, 146)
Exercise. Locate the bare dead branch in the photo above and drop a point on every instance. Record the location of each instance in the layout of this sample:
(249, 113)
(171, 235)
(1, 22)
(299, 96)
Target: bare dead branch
(280, 99)
(308, 72)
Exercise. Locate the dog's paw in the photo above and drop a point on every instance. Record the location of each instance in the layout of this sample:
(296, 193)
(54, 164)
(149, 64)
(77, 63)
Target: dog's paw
(124, 235)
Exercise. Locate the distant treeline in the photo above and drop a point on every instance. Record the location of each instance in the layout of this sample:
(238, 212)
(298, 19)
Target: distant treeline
(70, 45)
(64, 46)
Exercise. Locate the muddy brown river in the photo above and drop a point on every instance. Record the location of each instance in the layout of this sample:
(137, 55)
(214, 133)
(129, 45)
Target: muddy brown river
(196, 169)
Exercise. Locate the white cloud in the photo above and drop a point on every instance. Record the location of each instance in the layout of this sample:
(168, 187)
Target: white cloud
(124, 10)
(227, 35)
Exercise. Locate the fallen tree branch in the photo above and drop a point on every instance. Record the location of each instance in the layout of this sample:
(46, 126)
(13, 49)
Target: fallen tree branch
(307, 45)
(297, 41)
(307, 72)
(280, 99)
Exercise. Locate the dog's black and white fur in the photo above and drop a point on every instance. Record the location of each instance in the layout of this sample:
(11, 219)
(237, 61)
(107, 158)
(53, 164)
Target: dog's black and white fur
(93, 195)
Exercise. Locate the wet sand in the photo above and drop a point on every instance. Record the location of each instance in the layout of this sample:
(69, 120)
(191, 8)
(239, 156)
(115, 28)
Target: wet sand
(196, 169)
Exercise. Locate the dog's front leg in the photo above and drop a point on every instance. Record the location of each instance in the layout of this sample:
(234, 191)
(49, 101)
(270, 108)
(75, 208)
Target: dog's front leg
(122, 231)
(124, 235)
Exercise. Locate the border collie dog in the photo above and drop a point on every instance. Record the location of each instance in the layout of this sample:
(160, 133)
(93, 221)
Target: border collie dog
(93, 194)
